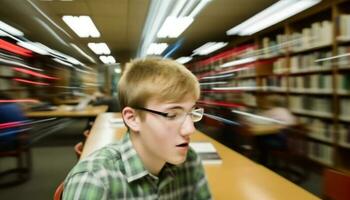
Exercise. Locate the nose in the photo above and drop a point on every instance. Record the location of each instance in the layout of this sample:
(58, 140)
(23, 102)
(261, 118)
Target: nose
(187, 127)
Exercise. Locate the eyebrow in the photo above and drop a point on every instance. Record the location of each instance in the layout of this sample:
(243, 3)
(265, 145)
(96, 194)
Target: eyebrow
(179, 107)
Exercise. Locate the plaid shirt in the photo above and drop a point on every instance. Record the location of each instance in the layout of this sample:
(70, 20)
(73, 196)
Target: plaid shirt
(117, 172)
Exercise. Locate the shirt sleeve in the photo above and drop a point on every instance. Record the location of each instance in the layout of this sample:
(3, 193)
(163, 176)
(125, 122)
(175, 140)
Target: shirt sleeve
(85, 186)
(202, 191)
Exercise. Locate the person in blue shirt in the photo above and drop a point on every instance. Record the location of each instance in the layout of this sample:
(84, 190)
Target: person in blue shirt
(12, 120)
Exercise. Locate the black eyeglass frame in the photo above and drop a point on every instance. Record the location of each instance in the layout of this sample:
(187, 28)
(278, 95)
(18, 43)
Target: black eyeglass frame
(163, 113)
(153, 111)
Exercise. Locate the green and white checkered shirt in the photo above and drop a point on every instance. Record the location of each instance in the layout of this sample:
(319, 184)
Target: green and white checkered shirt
(116, 172)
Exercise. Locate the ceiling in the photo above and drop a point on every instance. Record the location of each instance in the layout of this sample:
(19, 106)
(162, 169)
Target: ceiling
(120, 23)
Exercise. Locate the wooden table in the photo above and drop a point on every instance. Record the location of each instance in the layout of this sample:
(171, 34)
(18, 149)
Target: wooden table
(64, 111)
(236, 178)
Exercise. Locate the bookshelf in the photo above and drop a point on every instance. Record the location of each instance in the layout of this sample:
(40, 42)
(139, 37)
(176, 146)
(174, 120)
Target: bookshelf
(304, 60)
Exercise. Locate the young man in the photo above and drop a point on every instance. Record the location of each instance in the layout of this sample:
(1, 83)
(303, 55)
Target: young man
(153, 160)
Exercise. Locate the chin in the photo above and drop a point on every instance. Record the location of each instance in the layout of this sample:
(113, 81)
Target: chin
(177, 161)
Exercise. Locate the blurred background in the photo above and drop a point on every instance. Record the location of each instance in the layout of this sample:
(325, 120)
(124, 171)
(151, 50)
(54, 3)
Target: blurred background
(274, 77)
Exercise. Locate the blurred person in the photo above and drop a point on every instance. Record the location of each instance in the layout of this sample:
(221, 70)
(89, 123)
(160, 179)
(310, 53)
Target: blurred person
(275, 110)
(154, 159)
(100, 98)
(12, 120)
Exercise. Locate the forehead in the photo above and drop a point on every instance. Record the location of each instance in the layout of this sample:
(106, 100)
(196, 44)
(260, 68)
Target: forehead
(186, 103)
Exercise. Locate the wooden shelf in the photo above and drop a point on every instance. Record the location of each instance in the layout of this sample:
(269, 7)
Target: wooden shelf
(245, 77)
(312, 49)
(311, 114)
(344, 119)
(343, 146)
(322, 163)
(311, 71)
(281, 71)
(343, 40)
(311, 92)
(319, 139)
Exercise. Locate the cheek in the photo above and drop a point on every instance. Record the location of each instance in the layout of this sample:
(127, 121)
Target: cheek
(161, 135)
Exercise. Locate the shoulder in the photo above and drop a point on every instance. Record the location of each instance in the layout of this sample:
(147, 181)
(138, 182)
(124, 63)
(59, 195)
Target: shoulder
(106, 159)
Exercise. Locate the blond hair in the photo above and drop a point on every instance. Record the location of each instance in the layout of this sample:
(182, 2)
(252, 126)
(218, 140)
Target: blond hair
(156, 78)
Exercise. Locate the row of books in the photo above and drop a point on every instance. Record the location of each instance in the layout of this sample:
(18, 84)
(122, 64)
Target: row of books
(345, 109)
(343, 83)
(319, 34)
(6, 84)
(320, 152)
(343, 27)
(280, 66)
(6, 71)
(246, 72)
(249, 99)
(318, 129)
(251, 82)
(344, 135)
(205, 68)
(311, 105)
(308, 62)
(343, 60)
(314, 82)
(324, 130)
(211, 96)
(272, 48)
(274, 82)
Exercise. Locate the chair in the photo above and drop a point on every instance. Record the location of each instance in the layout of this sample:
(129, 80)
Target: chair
(19, 148)
(291, 152)
(58, 192)
(336, 185)
(78, 148)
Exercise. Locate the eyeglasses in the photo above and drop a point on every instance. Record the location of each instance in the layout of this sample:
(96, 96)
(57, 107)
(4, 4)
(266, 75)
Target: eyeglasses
(196, 114)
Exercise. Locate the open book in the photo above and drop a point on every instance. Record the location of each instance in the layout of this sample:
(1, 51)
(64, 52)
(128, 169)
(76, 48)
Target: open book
(207, 152)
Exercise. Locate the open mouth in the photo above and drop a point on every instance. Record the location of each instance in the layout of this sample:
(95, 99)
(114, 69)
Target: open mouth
(182, 145)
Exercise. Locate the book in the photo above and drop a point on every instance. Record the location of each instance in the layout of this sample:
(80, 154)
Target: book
(206, 152)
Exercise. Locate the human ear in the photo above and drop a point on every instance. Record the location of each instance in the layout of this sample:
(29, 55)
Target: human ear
(131, 118)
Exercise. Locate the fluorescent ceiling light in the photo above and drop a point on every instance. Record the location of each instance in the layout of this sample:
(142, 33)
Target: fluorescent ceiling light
(198, 8)
(181, 17)
(82, 26)
(107, 59)
(11, 30)
(182, 10)
(209, 47)
(99, 48)
(156, 48)
(174, 26)
(278, 12)
(239, 62)
(184, 59)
